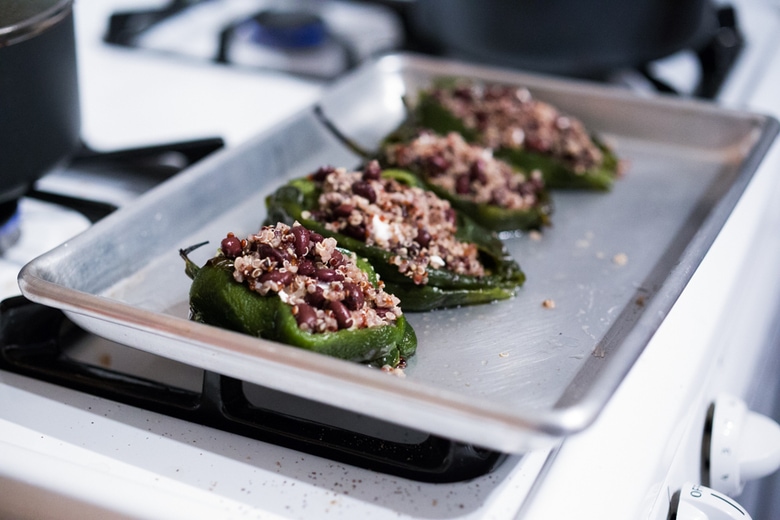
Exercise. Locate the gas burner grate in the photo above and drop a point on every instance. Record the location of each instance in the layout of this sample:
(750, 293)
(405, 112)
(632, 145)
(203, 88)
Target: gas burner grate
(34, 342)
(318, 41)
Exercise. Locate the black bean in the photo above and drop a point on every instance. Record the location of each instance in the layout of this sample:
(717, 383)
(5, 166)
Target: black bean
(336, 259)
(463, 92)
(316, 298)
(536, 144)
(451, 216)
(423, 237)
(329, 275)
(358, 232)
(372, 171)
(527, 188)
(319, 215)
(354, 296)
(477, 172)
(306, 316)
(306, 268)
(231, 246)
(436, 165)
(364, 189)
(341, 313)
(280, 277)
(462, 184)
(300, 240)
(322, 172)
(343, 210)
(268, 251)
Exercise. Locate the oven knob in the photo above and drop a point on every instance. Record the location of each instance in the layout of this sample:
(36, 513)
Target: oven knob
(696, 502)
(743, 445)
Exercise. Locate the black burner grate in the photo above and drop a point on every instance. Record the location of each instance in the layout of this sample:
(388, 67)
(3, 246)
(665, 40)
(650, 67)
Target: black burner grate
(34, 342)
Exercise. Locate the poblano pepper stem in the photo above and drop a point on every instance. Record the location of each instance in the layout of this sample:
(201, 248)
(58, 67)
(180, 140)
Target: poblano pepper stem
(341, 136)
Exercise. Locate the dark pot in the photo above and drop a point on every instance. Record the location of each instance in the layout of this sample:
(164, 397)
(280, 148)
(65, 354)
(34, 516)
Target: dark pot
(568, 37)
(39, 101)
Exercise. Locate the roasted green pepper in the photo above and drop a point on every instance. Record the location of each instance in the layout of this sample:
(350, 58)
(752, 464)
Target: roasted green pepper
(420, 286)
(527, 133)
(494, 193)
(217, 298)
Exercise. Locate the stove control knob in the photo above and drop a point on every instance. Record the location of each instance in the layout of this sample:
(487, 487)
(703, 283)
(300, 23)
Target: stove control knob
(697, 502)
(743, 445)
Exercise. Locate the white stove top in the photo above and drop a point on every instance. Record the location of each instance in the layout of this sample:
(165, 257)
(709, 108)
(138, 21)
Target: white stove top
(77, 455)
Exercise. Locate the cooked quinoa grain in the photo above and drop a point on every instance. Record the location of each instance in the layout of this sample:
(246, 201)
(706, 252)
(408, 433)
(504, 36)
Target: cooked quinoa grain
(508, 116)
(325, 288)
(415, 225)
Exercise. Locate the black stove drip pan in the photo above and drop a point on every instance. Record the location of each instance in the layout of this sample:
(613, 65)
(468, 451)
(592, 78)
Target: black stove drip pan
(35, 339)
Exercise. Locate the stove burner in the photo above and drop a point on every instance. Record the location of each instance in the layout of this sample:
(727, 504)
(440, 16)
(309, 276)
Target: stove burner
(293, 40)
(34, 341)
(10, 228)
(319, 40)
(286, 29)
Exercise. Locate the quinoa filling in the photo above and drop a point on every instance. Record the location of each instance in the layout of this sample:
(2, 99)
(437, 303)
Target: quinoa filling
(467, 170)
(510, 117)
(414, 224)
(325, 288)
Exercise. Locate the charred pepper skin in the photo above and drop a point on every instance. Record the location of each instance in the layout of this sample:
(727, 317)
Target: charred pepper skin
(444, 288)
(430, 114)
(217, 299)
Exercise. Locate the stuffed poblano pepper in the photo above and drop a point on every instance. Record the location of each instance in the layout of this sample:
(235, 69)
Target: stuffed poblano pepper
(292, 285)
(494, 193)
(526, 132)
(428, 255)
(491, 191)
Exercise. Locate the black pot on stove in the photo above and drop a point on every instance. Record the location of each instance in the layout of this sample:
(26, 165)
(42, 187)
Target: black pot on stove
(39, 99)
(581, 38)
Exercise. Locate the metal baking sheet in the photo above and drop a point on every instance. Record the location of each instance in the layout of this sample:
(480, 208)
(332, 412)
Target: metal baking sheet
(509, 376)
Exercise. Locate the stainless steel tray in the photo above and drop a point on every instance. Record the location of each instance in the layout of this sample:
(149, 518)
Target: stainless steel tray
(509, 376)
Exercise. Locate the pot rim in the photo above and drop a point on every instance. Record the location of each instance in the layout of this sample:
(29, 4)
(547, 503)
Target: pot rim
(35, 24)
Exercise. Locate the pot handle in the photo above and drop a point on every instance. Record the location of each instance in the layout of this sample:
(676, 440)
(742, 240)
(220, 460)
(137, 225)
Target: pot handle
(188, 152)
